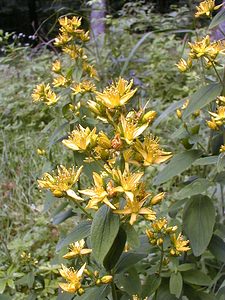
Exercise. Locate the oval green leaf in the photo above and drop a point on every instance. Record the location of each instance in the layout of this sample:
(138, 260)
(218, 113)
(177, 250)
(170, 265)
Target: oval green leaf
(176, 284)
(202, 97)
(104, 230)
(177, 165)
(219, 18)
(198, 186)
(198, 220)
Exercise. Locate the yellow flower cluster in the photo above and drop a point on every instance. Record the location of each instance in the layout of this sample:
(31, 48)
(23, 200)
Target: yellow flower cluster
(108, 187)
(158, 235)
(217, 118)
(44, 93)
(206, 7)
(205, 49)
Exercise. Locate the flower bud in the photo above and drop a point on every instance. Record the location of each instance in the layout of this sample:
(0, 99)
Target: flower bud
(149, 116)
(179, 113)
(80, 291)
(159, 241)
(157, 199)
(106, 279)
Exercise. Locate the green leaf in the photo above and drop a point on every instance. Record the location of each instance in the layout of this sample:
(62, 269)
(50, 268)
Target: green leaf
(203, 161)
(191, 293)
(177, 165)
(62, 216)
(81, 231)
(221, 162)
(198, 186)
(176, 284)
(64, 296)
(116, 250)
(94, 293)
(196, 277)
(127, 260)
(202, 97)
(2, 285)
(185, 267)
(219, 18)
(217, 248)
(151, 285)
(132, 236)
(104, 230)
(198, 220)
(129, 282)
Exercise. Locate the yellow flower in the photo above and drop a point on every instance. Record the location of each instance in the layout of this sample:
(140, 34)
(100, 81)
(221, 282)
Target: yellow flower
(128, 182)
(73, 278)
(60, 81)
(60, 182)
(135, 208)
(151, 152)
(117, 94)
(159, 225)
(130, 130)
(77, 249)
(41, 151)
(56, 66)
(179, 245)
(98, 194)
(79, 139)
(217, 118)
(73, 51)
(62, 39)
(44, 93)
(222, 148)
(83, 87)
(69, 25)
(206, 8)
(90, 70)
(184, 65)
(206, 49)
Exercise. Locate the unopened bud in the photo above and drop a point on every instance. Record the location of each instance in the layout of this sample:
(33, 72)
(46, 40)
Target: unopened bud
(149, 116)
(158, 198)
(179, 113)
(159, 241)
(116, 142)
(106, 279)
(98, 282)
(80, 291)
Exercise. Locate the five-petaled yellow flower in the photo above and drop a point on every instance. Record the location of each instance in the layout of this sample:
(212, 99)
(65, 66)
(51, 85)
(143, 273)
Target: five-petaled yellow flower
(217, 118)
(179, 245)
(77, 249)
(206, 8)
(60, 182)
(44, 93)
(80, 139)
(72, 277)
(117, 94)
(98, 194)
(128, 182)
(151, 152)
(135, 208)
(130, 130)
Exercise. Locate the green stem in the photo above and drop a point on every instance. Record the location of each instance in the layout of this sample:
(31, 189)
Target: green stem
(114, 294)
(82, 208)
(218, 75)
(160, 269)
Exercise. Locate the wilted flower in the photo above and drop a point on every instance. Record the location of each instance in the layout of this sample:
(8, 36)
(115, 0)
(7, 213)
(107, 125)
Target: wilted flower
(77, 249)
(117, 94)
(206, 8)
(151, 152)
(60, 182)
(79, 139)
(44, 93)
(73, 278)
